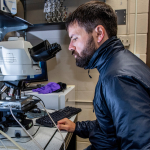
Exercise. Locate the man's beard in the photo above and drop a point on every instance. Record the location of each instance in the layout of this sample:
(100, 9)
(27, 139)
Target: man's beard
(86, 54)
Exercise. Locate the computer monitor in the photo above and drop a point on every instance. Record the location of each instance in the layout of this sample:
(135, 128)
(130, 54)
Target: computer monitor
(40, 77)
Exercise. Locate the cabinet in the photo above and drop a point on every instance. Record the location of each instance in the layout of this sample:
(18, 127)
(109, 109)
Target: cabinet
(57, 100)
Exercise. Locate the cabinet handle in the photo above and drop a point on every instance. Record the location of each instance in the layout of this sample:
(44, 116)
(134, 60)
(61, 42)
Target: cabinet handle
(67, 100)
(81, 101)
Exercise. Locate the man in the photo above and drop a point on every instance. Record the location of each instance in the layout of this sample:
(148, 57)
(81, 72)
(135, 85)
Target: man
(122, 94)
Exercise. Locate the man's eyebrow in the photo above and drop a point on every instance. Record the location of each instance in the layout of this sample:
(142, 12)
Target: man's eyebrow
(72, 36)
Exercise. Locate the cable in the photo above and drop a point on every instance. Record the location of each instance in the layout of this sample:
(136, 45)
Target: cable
(37, 97)
(10, 147)
(4, 145)
(33, 135)
(40, 100)
(43, 105)
(54, 124)
(4, 134)
(27, 84)
(25, 130)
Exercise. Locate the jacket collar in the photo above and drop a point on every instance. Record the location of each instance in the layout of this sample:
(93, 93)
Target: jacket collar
(104, 53)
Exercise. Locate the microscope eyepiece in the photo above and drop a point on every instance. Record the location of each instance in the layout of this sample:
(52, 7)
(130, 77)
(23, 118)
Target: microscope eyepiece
(44, 51)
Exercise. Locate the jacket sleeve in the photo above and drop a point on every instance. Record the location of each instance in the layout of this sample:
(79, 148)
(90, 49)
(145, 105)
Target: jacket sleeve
(84, 128)
(128, 100)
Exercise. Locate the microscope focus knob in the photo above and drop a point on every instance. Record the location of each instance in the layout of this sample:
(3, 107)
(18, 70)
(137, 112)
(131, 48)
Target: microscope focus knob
(3, 127)
(18, 135)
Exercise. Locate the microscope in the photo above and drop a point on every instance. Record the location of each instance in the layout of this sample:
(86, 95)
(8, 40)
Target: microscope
(18, 59)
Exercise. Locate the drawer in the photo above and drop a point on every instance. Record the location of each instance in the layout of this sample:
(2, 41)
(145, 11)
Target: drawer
(82, 145)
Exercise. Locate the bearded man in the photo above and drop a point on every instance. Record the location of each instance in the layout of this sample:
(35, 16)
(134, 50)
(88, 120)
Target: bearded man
(122, 94)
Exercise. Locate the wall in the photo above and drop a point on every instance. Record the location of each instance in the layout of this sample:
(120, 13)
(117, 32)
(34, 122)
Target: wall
(129, 29)
(62, 67)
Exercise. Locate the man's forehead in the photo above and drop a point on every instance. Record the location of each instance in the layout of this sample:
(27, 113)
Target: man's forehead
(75, 29)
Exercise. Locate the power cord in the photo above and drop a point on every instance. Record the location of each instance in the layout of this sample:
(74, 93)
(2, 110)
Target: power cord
(54, 124)
(25, 130)
(40, 100)
(43, 105)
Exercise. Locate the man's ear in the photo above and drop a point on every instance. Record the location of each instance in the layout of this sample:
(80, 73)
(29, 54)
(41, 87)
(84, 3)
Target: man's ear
(100, 33)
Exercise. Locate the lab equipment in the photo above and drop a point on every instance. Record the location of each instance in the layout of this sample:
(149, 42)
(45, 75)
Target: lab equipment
(18, 59)
(39, 77)
(32, 114)
(9, 6)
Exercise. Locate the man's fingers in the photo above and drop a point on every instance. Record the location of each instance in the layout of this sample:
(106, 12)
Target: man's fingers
(62, 127)
(66, 124)
(63, 121)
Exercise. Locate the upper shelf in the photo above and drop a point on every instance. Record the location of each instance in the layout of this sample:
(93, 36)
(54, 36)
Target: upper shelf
(41, 26)
(9, 23)
(8, 20)
(47, 26)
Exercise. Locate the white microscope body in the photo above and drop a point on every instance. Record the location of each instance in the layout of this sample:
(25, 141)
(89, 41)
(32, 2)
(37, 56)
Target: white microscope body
(15, 60)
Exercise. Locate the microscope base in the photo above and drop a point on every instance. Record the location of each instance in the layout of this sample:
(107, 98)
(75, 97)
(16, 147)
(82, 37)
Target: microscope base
(18, 133)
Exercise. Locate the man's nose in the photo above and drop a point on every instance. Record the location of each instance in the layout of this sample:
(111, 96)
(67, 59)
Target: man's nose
(71, 47)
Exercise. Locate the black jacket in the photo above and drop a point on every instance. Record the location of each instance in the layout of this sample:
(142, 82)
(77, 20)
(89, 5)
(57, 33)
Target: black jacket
(121, 101)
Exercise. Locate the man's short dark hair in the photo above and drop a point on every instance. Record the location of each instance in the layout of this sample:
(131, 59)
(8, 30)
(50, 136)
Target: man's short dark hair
(92, 14)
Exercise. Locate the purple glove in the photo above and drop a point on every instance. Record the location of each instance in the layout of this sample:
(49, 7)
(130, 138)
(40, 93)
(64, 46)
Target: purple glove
(49, 88)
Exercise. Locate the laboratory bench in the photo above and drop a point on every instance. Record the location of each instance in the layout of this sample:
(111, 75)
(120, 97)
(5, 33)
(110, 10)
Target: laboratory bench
(48, 138)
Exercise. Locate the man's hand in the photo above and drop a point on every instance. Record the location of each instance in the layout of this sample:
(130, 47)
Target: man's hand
(66, 124)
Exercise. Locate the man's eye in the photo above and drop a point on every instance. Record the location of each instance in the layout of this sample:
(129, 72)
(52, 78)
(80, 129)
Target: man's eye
(75, 39)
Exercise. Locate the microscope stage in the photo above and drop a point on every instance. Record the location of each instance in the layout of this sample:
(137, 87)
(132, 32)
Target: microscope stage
(22, 104)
